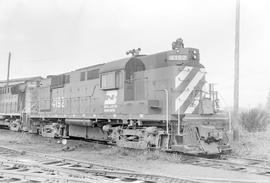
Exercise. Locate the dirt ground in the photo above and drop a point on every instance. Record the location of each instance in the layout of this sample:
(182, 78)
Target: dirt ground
(142, 161)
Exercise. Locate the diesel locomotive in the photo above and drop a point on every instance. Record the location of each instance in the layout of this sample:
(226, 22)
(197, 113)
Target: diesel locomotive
(160, 101)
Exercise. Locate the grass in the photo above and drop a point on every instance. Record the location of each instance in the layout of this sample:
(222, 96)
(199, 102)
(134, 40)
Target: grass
(254, 140)
(254, 120)
(250, 144)
(26, 138)
(254, 145)
(142, 155)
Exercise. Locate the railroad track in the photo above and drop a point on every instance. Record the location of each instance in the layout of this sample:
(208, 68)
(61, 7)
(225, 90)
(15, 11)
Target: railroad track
(41, 167)
(12, 170)
(233, 163)
(91, 172)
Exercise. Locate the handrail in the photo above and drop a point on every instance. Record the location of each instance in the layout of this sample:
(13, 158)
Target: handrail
(178, 119)
(167, 108)
(94, 89)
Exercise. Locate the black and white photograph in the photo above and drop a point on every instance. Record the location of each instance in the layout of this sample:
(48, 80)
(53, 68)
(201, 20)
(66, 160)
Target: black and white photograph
(134, 91)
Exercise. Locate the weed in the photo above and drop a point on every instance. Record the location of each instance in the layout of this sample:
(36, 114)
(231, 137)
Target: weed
(254, 120)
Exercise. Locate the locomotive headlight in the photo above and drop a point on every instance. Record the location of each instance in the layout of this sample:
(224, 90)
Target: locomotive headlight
(194, 52)
(194, 57)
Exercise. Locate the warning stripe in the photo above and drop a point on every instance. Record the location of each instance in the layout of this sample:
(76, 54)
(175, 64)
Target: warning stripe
(190, 98)
(193, 105)
(196, 110)
(184, 95)
(191, 108)
(182, 76)
(182, 87)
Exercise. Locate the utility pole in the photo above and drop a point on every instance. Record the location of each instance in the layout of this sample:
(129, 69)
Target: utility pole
(6, 89)
(236, 73)
(9, 57)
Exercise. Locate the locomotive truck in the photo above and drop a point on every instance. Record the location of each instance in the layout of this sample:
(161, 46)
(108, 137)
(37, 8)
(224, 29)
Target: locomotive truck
(160, 101)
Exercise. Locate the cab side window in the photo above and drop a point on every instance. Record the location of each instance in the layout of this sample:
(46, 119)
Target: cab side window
(82, 78)
(110, 80)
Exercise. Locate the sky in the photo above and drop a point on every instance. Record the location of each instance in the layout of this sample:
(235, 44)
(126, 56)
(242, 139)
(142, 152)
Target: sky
(49, 37)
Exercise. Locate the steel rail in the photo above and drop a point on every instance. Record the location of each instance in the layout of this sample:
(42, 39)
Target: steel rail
(248, 166)
(245, 158)
(95, 170)
(61, 159)
(25, 176)
(20, 171)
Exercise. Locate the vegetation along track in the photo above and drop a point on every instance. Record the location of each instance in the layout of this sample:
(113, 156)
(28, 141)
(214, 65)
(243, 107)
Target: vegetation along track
(39, 167)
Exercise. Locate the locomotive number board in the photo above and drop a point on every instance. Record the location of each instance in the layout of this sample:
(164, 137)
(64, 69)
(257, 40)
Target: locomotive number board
(177, 57)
